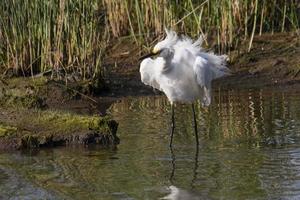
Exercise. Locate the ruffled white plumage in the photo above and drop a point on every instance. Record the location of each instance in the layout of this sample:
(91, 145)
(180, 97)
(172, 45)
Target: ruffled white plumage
(148, 74)
(190, 69)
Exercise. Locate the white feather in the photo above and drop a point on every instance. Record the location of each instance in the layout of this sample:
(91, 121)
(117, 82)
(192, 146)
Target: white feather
(204, 75)
(148, 72)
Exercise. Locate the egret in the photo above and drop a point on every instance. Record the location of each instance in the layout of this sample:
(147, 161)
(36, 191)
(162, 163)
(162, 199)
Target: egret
(183, 71)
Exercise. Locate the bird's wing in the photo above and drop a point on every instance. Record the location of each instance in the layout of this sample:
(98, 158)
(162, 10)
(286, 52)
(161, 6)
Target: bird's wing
(187, 50)
(202, 71)
(204, 74)
(149, 71)
(217, 63)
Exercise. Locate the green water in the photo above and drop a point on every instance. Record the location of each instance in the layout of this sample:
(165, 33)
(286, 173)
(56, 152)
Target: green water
(249, 148)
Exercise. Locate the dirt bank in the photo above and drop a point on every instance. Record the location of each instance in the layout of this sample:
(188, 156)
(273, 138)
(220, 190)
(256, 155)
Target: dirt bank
(273, 60)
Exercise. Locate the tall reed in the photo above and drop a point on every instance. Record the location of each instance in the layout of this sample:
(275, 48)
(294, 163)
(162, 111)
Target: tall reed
(226, 21)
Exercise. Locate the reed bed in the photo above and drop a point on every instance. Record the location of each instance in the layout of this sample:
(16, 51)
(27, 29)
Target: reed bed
(67, 36)
(227, 22)
(72, 35)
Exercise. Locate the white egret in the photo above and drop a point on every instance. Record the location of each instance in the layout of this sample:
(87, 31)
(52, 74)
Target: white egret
(183, 71)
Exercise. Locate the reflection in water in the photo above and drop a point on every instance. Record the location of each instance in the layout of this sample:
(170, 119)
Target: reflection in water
(249, 148)
(14, 185)
(179, 194)
(173, 165)
(195, 165)
(195, 168)
(255, 117)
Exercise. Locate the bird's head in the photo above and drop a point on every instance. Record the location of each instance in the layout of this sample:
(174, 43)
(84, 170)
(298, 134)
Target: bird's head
(167, 43)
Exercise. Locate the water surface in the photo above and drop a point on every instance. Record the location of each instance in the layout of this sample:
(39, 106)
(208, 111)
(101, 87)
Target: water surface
(249, 148)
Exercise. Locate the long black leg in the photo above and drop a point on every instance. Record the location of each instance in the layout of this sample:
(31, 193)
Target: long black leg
(195, 125)
(172, 124)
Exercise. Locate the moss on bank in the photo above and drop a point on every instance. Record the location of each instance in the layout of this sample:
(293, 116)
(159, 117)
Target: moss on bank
(36, 128)
(58, 122)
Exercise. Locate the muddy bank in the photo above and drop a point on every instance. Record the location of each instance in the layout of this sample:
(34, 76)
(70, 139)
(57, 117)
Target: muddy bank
(39, 112)
(45, 93)
(274, 60)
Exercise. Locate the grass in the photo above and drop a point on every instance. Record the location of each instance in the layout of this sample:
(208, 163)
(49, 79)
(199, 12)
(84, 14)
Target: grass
(7, 131)
(72, 36)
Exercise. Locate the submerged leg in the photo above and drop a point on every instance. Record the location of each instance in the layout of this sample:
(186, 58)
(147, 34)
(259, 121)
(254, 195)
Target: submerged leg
(172, 124)
(195, 170)
(195, 125)
(173, 165)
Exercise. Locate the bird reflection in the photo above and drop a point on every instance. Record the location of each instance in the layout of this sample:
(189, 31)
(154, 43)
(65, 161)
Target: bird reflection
(175, 192)
(195, 169)
(173, 165)
(180, 194)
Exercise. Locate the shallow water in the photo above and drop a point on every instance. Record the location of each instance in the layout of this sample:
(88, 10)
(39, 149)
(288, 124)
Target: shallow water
(249, 148)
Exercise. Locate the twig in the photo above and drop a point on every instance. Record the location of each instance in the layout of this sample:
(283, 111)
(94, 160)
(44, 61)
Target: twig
(190, 13)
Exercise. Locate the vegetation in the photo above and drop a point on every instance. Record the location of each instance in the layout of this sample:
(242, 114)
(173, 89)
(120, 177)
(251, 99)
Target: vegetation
(6, 131)
(72, 36)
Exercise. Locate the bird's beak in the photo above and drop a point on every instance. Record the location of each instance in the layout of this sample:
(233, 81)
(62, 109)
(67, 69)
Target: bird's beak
(152, 53)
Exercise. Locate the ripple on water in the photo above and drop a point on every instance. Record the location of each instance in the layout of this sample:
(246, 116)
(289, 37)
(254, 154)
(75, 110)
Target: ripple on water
(13, 186)
(284, 163)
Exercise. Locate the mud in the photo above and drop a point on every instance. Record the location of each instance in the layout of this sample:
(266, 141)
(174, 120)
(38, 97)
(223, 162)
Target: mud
(273, 61)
